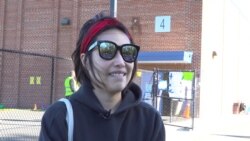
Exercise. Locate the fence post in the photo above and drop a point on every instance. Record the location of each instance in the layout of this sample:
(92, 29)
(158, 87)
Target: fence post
(52, 80)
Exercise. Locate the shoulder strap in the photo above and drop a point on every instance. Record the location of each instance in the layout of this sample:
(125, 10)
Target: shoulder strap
(69, 118)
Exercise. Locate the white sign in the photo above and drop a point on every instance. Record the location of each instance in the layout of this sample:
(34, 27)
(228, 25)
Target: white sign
(162, 23)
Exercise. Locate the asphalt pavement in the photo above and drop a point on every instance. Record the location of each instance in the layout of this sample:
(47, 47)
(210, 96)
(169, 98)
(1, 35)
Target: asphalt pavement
(231, 128)
(21, 125)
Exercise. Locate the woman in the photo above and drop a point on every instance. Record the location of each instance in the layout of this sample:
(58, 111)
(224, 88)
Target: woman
(108, 106)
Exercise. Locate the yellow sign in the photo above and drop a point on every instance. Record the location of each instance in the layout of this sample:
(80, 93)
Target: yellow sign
(138, 73)
(32, 80)
(38, 80)
(35, 80)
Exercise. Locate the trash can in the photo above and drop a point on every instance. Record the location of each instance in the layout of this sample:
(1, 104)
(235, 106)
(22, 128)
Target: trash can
(166, 106)
(1, 106)
(236, 108)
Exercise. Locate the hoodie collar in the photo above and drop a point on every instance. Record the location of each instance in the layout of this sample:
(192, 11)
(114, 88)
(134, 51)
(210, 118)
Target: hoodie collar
(85, 96)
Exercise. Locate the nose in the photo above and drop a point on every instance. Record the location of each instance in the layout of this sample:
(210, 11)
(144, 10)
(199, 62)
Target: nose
(118, 60)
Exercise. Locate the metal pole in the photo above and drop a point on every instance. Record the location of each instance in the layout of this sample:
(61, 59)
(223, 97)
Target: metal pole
(113, 8)
(52, 80)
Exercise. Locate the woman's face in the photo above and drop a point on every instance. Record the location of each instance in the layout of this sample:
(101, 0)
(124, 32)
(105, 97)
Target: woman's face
(112, 75)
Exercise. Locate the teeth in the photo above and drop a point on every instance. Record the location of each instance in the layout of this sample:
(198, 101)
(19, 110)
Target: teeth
(117, 74)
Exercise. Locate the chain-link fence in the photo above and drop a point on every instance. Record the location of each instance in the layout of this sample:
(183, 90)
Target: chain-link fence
(172, 93)
(30, 82)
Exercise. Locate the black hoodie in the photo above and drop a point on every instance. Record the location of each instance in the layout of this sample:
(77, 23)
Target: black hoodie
(134, 120)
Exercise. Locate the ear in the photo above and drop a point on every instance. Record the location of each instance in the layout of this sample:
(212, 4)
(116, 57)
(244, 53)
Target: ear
(82, 56)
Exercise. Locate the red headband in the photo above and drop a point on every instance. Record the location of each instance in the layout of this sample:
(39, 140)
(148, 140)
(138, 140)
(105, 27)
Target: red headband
(94, 29)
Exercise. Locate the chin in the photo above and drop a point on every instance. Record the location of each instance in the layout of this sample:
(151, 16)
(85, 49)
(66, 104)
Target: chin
(117, 89)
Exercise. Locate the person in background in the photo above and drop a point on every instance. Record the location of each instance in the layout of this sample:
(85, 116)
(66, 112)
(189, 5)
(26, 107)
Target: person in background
(108, 105)
(70, 84)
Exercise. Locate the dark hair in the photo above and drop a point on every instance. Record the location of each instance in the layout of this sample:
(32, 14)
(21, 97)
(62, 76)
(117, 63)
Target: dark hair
(81, 71)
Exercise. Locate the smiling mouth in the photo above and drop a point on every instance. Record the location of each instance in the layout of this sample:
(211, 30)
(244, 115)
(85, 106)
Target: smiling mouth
(117, 74)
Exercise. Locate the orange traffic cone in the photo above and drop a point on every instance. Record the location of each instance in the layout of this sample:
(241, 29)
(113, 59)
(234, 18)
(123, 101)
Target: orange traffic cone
(186, 113)
(35, 107)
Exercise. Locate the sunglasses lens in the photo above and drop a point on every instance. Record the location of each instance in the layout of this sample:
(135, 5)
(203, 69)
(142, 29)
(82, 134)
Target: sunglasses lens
(129, 53)
(107, 50)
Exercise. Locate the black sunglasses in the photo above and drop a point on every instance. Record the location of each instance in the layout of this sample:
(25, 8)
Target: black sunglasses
(108, 50)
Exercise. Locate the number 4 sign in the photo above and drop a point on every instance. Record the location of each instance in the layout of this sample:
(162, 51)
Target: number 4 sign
(162, 23)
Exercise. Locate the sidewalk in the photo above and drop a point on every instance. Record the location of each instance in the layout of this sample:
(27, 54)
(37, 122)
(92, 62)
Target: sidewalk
(233, 128)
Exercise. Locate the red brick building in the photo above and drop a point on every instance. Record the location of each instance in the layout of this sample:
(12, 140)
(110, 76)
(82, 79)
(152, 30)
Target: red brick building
(35, 47)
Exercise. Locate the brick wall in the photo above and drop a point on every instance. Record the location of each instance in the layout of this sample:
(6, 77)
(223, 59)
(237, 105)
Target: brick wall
(185, 27)
(34, 26)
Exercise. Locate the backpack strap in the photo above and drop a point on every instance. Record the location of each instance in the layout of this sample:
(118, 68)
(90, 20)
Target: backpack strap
(69, 118)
